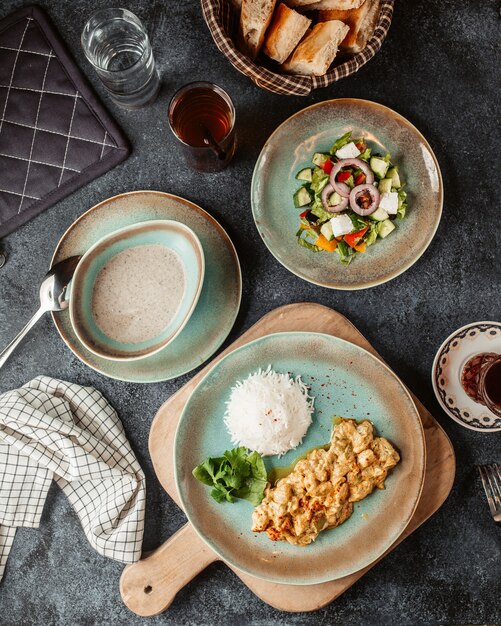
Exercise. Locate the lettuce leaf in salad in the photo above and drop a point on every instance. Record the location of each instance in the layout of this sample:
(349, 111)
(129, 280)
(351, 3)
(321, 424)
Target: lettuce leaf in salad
(371, 235)
(366, 155)
(349, 181)
(318, 210)
(302, 241)
(318, 180)
(342, 141)
(357, 221)
(402, 203)
(346, 252)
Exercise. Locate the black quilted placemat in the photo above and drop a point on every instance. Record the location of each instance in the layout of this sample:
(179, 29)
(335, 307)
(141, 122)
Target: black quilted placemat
(55, 135)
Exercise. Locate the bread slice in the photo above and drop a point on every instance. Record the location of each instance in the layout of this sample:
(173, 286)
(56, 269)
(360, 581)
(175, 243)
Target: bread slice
(341, 5)
(285, 32)
(361, 21)
(318, 49)
(254, 20)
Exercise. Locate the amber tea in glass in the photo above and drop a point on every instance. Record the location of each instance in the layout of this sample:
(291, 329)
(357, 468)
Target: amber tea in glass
(202, 117)
(481, 380)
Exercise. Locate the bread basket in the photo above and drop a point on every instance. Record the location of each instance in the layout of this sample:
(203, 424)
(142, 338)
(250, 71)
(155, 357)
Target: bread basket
(222, 19)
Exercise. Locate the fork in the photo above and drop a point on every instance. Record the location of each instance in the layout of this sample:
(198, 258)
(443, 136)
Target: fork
(491, 479)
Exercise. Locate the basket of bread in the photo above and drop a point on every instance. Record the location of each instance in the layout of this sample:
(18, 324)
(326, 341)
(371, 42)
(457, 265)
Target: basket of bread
(294, 46)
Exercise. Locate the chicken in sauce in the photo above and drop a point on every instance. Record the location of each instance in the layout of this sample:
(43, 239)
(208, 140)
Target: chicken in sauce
(320, 491)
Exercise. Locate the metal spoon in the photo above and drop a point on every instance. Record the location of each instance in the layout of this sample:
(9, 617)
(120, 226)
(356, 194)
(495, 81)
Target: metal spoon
(52, 298)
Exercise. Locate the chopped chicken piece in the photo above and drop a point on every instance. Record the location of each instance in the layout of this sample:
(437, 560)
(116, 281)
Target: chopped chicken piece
(320, 491)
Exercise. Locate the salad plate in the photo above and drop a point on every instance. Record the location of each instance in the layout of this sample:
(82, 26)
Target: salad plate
(290, 151)
(345, 380)
(218, 303)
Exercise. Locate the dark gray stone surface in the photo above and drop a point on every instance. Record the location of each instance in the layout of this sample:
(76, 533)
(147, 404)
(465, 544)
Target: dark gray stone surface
(440, 68)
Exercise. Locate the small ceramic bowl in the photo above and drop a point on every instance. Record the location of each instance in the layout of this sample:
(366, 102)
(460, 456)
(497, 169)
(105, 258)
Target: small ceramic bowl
(466, 342)
(173, 235)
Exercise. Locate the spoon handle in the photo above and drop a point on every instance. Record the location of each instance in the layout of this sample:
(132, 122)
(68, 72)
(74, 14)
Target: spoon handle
(5, 354)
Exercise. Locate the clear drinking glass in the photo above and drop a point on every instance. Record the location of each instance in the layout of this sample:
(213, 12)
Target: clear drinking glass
(202, 117)
(116, 43)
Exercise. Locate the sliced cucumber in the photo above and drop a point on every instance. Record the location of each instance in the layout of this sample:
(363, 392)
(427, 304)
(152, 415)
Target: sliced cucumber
(385, 228)
(379, 166)
(319, 158)
(395, 178)
(305, 174)
(302, 197)
(385, 185)
(326, 230)
(379, 215)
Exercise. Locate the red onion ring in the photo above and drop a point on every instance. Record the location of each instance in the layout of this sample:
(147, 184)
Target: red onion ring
(333, 208)
(355, 194)
(342, 188)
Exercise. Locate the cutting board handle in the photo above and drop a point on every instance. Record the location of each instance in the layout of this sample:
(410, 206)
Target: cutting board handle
(149, 586)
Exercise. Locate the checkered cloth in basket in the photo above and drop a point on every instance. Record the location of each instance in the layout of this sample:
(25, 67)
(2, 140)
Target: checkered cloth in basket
(222, 19)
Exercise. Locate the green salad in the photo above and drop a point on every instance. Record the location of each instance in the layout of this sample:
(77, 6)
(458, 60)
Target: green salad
(349, 199)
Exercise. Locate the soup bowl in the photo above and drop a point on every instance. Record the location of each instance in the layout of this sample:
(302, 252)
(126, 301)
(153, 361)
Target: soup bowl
(143, 312)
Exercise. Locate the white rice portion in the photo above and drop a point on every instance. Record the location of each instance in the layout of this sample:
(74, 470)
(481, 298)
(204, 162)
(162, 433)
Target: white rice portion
(269, 412)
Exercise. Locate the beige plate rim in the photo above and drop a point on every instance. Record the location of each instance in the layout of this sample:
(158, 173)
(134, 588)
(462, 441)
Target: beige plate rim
(75, 348)
(413, 128)
(379, 363)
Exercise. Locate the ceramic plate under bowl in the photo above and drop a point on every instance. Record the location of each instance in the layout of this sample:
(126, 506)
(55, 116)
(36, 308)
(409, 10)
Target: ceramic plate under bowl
(456, 350)
(177, 238)
(345, 380)
(219, 300)
(291, 148)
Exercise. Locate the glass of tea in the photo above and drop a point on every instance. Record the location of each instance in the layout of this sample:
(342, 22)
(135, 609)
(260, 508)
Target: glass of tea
(481, 380)
(490, 385)
(202, 117)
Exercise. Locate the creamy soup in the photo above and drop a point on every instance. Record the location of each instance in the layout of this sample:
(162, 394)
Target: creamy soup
(138, 292)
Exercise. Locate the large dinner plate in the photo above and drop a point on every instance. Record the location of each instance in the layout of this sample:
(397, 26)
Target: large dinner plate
(345, 380)
(219, 301)
(291, 148)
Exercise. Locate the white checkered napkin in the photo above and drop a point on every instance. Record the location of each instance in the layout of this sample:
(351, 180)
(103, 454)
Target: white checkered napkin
(53, 429)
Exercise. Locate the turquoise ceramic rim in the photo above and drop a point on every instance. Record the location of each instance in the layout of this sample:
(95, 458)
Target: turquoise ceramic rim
(421, 460)
(125, 352)
(164, 376)
(361, 285)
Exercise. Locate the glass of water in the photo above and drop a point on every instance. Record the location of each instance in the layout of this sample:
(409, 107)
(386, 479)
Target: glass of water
(116, 43)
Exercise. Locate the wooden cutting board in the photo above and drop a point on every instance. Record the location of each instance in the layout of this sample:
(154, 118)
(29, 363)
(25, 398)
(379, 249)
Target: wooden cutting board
(149, 586)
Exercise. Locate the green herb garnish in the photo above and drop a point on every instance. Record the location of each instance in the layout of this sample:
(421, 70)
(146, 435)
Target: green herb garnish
(236, 474)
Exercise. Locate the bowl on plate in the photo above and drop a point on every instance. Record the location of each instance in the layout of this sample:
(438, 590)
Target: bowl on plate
(136, 288)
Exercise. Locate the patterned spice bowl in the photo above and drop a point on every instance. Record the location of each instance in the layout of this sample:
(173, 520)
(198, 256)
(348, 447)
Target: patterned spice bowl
(223, 19)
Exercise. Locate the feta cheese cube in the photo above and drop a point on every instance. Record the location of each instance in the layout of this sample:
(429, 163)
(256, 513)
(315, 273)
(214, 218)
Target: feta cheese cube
(341, 225)
(349, 151)
(389, 202)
